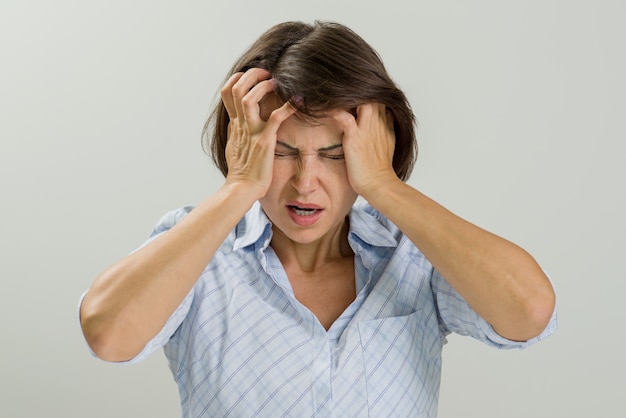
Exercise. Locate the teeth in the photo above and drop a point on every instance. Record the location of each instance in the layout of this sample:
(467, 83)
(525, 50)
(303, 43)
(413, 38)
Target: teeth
(303, 212)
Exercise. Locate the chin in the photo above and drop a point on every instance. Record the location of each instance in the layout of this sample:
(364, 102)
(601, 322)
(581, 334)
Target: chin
(300, 237)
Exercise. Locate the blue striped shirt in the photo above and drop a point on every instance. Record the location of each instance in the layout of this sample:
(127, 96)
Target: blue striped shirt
(241, 345)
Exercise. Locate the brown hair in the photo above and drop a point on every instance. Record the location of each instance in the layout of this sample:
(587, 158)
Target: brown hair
(329, 67)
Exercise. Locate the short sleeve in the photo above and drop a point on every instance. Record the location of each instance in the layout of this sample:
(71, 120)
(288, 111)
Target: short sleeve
(457, 316)
(168, 220)
(171, 325)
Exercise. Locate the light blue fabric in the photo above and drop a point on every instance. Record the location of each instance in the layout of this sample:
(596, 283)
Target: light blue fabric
(241, 345)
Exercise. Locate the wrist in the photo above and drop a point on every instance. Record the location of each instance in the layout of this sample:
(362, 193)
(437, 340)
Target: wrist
(242, 192)
(248, 191)
(377, 186)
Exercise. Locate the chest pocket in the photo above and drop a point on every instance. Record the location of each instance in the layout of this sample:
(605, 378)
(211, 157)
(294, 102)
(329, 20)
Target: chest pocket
(402, 364)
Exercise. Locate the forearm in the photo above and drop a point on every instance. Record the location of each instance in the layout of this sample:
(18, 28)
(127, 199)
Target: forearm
(501, 281)
(130, 301)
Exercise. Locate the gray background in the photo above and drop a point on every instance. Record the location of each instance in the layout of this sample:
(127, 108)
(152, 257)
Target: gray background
(521, 108)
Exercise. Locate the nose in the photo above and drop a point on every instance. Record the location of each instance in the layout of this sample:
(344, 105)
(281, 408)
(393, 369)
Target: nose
(305, 178)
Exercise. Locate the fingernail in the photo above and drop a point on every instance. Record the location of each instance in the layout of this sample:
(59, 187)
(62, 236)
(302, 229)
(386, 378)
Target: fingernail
(297, 100)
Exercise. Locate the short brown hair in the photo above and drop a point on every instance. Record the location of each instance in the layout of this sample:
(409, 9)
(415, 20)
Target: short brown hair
(329, 67)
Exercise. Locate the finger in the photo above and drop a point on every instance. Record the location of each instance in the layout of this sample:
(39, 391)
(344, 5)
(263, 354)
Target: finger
(278, 116)
(251, 103)
(390, 119)
(364, 113)
(384, 115)
(375, 116)
(347, 123)
(227, 95)
(243, 86)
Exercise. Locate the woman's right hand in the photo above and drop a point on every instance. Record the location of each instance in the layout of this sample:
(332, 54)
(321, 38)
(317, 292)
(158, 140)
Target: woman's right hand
(119, 314)
(251, 138)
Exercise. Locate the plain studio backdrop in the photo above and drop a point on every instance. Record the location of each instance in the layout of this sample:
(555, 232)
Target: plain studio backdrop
(521, 128)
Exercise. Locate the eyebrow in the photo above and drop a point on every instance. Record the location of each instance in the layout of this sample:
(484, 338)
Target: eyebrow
(328, 148)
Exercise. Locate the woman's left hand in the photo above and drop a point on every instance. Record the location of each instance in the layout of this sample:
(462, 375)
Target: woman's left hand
(368, 145)
(499, 280)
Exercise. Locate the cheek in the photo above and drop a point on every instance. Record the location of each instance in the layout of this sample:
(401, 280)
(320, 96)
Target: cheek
(337, 184)
(281, 173)
(338, 171)
(283, 169)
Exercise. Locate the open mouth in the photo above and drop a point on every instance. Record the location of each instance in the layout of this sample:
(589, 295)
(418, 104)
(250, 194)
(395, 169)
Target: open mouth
(303, 211)
(304, 214)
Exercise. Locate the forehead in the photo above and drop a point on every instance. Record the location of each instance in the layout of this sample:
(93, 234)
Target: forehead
(271, 102)
(306, 134)
(298, 131)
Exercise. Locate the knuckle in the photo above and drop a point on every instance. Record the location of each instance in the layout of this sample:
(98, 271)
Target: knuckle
(247, 101)
(238, 91)
(278, 115)
(274, 117)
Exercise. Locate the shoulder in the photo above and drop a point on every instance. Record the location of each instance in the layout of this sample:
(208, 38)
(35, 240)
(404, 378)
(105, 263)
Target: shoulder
(250, 229)
(170, 219)
(368, 222)
(373, 231)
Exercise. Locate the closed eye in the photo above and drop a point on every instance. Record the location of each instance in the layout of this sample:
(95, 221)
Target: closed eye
(285, 154)
(333, 152)
(332, 156)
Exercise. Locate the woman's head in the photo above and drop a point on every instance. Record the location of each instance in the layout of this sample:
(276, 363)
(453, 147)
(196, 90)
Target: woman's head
(319, 68)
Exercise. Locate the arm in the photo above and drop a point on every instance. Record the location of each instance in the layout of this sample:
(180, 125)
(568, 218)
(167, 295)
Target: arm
(129, 302)
(501, 281)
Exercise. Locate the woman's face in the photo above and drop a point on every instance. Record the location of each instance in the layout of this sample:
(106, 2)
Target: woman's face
(310, 194)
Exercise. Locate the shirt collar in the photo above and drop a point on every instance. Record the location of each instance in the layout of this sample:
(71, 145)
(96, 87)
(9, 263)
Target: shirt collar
(365, 224)
(370, 227)
(252, 227)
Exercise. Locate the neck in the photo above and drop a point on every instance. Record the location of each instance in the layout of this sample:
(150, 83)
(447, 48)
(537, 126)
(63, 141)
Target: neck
(309, 257)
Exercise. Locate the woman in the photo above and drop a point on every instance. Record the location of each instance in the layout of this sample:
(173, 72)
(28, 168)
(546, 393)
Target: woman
(279, 295)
